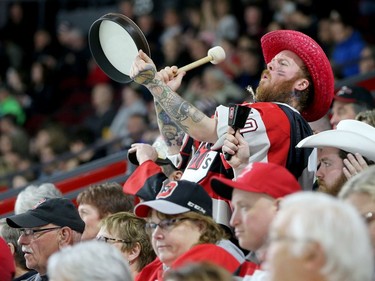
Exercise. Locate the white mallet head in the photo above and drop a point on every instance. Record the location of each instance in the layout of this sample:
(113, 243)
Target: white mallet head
(217, 54)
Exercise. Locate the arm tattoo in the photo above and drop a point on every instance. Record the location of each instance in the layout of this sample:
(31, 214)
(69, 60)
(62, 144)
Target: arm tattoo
(172, 134)
(175, 107)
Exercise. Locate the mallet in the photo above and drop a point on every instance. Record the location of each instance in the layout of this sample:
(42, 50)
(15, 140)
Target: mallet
(215, 55)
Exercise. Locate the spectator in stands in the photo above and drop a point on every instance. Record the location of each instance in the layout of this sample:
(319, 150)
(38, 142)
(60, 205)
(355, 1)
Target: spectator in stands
(32, 194)
(103, 112)
(367, 60)
(47, 228)
(342, 153)
(349, 101)
(359, 191)
(348, 45)
(254, 195)
(367, 116)
(182, 229)
(7, 268)
(92, 260)
(19, 138)
(99, 201)
(49, 135)
(131, 103)
(10, 105)
(83, 146)
(137, 127)
(309, 241)
(11, 235)
(203, 271)
(43, 91)
(128, 234)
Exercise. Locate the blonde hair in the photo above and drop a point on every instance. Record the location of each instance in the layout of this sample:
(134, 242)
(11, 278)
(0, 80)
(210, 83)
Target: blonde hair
(367, 116)
(127, 226)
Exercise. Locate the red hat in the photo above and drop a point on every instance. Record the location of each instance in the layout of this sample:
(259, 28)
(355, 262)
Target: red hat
(208, 253)
(268, 178)
(7, 267)
(315, 60)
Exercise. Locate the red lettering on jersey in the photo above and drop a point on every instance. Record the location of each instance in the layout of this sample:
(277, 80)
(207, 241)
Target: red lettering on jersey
(198, 158)
(167, 190)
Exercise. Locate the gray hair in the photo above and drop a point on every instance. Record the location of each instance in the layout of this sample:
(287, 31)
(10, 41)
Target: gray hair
(336, 226)
(91, 260)
(32, 194)
(364, 182)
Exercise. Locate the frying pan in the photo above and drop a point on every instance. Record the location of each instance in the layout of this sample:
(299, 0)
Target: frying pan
(114, 41)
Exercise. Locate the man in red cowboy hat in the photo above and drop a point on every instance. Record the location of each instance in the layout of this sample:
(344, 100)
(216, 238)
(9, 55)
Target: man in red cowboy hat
(298, 79)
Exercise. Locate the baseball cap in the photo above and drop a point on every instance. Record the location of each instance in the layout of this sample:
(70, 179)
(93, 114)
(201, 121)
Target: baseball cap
(177, 197)
(355, 94)
(268, 178)
(58, 211)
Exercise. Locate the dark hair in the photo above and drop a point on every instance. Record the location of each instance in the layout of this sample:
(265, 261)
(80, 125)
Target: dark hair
(344, 154)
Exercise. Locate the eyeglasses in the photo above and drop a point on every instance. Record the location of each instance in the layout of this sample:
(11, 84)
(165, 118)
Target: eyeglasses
(163, 224)
(369, 217)
(113, 240)
(29, 232)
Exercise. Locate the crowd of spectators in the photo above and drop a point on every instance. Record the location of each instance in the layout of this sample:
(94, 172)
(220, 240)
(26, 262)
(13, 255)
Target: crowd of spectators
(54, 99)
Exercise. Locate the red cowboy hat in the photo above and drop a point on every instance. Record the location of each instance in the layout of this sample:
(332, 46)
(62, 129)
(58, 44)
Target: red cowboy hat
(314, 58)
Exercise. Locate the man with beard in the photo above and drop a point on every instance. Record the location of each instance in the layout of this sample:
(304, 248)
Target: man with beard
(342, 153)
(296, 87)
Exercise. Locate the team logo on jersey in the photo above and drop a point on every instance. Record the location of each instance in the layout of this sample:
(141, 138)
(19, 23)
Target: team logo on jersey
(167, 190)
(200, 158)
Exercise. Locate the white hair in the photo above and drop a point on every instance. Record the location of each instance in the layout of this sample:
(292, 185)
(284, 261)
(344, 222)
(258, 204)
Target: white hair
(32, 194)
(337, 227)
(91, 260)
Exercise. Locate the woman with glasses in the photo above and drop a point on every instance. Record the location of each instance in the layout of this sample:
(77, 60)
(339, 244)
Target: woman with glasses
(182, 230)
(127, 233)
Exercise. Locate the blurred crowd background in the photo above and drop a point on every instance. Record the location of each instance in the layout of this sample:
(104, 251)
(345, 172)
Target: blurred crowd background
(58, 110)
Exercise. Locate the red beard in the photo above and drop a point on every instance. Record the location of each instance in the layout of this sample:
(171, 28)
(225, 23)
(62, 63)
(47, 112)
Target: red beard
(335, 188)
(269, 92)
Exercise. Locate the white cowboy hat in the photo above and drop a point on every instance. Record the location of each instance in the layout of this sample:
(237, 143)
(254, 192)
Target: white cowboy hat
(351, 135)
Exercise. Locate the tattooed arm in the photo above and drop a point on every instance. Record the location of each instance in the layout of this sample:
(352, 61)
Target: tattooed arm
(172, 134)
(161, 85)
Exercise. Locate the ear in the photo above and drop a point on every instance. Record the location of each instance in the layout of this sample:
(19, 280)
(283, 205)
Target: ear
(65, 237)
(176, 175)
(12, 248)
(301, 84)
(133, 254)
(277, 203)
(313, 256)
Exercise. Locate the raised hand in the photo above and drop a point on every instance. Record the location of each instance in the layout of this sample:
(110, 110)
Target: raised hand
(354, 164)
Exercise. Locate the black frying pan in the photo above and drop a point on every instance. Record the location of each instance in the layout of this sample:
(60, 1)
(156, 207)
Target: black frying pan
(114, 41)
